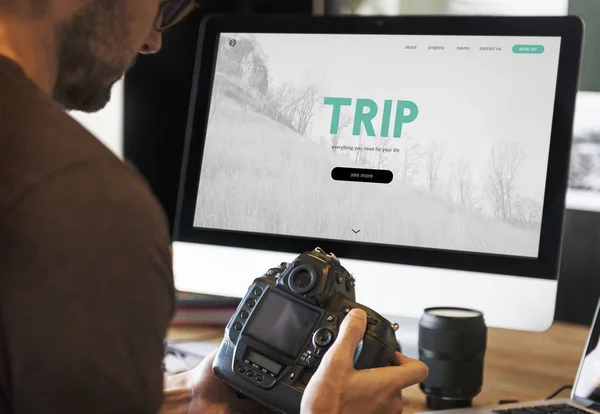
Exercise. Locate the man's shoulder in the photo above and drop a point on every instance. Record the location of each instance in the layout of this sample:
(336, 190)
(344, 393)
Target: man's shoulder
(41, 143)
(101, 185)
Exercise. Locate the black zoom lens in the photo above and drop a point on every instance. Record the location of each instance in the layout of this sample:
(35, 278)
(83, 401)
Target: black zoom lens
(452, 343)
(302, 279)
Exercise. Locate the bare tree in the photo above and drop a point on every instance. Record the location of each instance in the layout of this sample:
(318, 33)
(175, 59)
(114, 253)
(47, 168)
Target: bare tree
(433, 159)
(382, 153)
(446, 187)
(306, 106)
(503, 170)
(526, 211)
(360, 156)
(283, 101)
(464, 183)
(409, 161)
(345, 121)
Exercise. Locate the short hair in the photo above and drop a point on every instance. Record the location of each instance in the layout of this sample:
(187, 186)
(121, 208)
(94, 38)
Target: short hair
(35, 7)
(39, 7)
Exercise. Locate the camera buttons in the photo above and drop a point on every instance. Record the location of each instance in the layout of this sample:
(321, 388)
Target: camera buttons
(257, 291)
(330, 318)
(306, 378)
(250, 374)
(237, 326)
(323, 337)
(244, 314)
(241, 369)
(250, 303)
(259, 378)
(349, 284)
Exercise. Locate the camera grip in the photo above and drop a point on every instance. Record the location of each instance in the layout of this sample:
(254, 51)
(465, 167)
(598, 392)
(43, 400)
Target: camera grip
(368, 353)
(379, 343)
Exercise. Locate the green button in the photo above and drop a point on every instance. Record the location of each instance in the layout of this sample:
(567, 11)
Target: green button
(529, 49)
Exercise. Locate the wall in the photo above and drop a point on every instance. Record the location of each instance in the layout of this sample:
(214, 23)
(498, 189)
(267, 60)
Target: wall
(579, 283)
(107, 124)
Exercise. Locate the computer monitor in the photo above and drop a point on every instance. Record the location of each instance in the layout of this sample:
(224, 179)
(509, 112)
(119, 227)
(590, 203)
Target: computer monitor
(429, 153)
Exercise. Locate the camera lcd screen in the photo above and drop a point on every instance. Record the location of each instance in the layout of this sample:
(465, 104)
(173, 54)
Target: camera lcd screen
(263, 362)
(283, 324)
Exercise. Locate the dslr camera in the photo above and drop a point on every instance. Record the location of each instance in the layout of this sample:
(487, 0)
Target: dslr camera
(284, 326)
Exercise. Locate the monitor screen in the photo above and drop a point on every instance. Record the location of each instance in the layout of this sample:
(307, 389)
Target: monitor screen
(437, 142)
(588, 380)
(283, 324)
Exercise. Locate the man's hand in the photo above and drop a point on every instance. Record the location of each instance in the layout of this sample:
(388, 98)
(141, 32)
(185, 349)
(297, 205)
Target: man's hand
(199, 391)
(338, 388)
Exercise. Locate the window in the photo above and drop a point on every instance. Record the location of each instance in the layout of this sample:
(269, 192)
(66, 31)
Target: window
(107, 124)
(584, 179)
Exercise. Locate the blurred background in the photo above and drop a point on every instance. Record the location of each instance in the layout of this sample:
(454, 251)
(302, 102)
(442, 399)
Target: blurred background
(145, 121)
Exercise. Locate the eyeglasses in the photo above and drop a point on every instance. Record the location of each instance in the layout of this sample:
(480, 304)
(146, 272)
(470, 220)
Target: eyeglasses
(171, 12)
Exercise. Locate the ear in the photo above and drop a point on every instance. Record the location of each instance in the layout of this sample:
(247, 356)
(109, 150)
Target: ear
(152, 44)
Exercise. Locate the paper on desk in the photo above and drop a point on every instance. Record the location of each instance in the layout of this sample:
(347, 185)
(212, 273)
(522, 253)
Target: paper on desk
(182, 356)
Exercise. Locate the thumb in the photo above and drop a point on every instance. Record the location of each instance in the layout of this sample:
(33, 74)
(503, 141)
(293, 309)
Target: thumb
(352, 331)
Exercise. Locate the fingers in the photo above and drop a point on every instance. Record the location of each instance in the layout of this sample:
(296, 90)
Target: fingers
(413, 371)
(397, 407)
(408, 372)
(210, 358)
(401, 359)
(203, 370)
(352, 331)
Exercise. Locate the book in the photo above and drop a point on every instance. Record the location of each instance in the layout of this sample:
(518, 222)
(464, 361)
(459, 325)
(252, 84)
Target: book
(182, 356)
(202, 300)
(198, 309)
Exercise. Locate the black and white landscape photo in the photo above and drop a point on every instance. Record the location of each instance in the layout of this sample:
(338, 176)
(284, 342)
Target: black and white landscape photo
(465, 133)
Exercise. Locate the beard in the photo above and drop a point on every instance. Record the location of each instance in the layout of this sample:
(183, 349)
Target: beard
(89, 47)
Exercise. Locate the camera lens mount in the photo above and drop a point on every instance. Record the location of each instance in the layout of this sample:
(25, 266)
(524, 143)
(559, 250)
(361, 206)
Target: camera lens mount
(302, 279)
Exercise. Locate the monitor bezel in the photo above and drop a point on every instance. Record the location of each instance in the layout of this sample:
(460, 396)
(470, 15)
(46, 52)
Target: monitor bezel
(545, 266)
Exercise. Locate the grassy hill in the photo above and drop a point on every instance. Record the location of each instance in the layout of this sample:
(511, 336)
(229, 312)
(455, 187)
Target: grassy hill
(260, 176)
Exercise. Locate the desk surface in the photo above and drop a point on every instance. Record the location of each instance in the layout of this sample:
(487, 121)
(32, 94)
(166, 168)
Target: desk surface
(518, 365)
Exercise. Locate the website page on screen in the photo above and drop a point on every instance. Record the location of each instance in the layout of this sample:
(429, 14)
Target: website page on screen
(437, 142)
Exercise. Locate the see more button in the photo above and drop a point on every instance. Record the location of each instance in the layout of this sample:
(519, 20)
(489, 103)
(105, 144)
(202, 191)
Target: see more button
(362, 175)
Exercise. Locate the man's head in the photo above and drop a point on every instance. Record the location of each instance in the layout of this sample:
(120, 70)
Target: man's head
(96, 44)
(80, 48)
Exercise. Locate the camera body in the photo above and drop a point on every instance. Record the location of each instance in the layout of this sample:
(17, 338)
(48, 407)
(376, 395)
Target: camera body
(285, 324)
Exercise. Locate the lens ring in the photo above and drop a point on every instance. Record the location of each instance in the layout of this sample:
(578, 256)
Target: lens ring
(453, 312)
(302, 270)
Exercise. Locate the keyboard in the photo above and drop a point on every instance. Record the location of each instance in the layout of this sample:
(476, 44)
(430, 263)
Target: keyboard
(544, 409)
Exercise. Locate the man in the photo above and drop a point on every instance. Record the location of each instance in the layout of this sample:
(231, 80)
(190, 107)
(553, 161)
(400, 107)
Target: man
(86, 286)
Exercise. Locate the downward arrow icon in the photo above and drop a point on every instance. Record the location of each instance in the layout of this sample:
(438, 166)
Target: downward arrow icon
(356, 231)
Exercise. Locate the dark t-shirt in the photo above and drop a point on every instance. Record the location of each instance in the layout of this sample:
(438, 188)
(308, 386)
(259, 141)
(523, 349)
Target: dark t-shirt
(86, 284)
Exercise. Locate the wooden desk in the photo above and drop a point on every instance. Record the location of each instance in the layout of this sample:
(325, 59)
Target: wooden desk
(518, 365)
